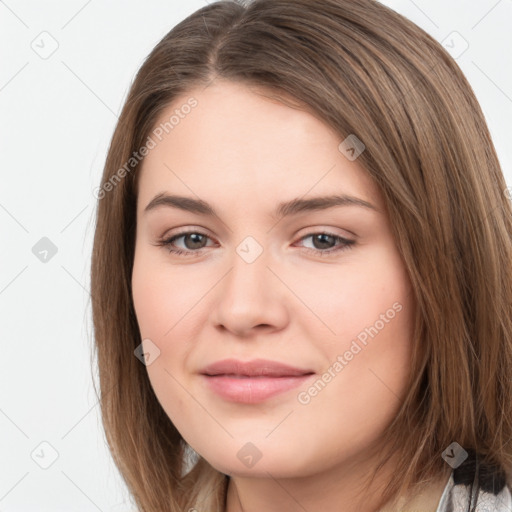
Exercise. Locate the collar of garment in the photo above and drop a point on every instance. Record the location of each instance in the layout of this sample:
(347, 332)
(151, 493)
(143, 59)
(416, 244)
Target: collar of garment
(469, 487)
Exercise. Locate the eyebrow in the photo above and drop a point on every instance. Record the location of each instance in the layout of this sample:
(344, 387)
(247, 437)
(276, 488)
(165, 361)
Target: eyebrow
(285, 209)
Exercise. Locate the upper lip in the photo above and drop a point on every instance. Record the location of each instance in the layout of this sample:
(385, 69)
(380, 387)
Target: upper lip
(256, 367)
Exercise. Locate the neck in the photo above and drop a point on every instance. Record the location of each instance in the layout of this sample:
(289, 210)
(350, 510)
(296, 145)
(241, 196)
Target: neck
(326, 491)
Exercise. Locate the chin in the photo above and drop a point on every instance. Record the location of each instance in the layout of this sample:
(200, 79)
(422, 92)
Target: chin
(252, 462)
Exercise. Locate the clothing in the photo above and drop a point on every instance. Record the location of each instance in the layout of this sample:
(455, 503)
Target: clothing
(473, 487)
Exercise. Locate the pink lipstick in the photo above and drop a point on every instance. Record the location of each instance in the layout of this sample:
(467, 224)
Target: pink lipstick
(253, 381)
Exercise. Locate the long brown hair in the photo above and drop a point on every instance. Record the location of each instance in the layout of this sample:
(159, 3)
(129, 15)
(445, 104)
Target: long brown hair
(365, 70)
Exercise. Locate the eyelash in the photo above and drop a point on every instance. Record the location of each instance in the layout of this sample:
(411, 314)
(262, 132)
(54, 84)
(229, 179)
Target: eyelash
(166, 242)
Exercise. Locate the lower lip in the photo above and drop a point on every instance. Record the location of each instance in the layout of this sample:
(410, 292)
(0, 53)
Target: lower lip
(250, 390)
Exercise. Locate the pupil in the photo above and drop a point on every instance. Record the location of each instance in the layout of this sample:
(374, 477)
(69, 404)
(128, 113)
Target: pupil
(322, 239)
(196, 237)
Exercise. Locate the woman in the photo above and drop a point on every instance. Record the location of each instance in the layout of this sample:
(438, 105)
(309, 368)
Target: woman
(340, 336)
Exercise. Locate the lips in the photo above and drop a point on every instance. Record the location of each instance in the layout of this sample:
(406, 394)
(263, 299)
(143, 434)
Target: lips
(254, 368)
(253, 381)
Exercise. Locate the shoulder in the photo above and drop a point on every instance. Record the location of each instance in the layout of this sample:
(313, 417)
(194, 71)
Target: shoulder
(473, 487)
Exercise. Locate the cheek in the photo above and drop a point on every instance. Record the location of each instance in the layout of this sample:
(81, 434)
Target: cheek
(153, 305)
(376, 330)
(371, 311)
(165, 315)
(161, 296)
(365, 294)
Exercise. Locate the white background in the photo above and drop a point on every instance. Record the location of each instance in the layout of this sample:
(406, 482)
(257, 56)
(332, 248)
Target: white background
(57, 116)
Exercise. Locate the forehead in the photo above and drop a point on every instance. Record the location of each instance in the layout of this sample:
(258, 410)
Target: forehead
(236, 139)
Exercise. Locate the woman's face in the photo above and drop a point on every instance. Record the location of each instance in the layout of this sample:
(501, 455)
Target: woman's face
(258, 280)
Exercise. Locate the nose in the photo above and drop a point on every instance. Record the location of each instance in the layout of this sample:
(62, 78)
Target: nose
(250, 298)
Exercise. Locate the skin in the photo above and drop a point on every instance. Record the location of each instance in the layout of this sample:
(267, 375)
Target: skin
(244, 153)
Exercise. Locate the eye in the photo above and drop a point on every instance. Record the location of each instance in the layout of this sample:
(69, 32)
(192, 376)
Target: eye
(194, 241)
(322, 243)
